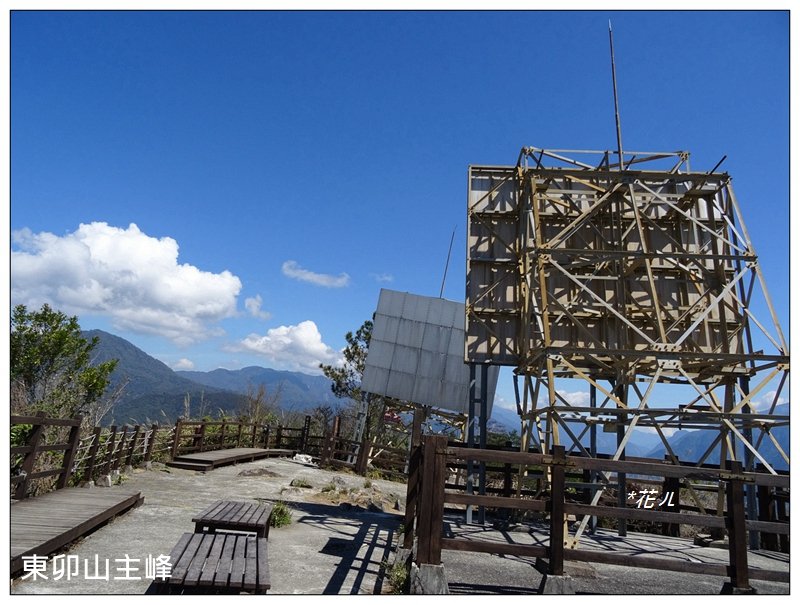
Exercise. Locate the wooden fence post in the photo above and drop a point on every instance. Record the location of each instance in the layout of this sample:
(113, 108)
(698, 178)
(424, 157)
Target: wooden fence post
(21, 492)
(304, 435)
(132, 448)
(199, 437)
(414, 478)
(222, 435)
(672, 485)
(279, 438)
(431, 504)
(149, 451)
(781, 498)
(87, 474)
(239, 434)
(254, 434)
(110, 450)
(120, 451)
(69, 454)
(363, 453)
(176, 441)
(737, 533)
(557, 510)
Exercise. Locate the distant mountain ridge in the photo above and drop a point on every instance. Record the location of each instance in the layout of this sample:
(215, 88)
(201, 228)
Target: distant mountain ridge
(690, 445)
(296, 388)
(156, 393)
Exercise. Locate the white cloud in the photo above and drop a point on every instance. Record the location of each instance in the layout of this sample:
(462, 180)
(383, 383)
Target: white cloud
(763, 403)
(502, 402)
(576, 398)
(297, 348)
(253, 306)
(291, 269)
(382, 278)
(668, 432)
(183, 364)
(125, 274)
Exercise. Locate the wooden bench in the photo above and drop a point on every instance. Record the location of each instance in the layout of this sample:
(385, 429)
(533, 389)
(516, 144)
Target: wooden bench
(216, 563)
(237, 516)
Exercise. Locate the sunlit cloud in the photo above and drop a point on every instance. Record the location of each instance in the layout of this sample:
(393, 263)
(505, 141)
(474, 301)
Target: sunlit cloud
(763, 403)
(291, 269)
(298, 348)
(183, 364)
(253, 306)
(382, 278)
(124, 274)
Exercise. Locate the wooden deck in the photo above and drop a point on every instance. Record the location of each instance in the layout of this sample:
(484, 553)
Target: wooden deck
(43, 524)
(206, 461)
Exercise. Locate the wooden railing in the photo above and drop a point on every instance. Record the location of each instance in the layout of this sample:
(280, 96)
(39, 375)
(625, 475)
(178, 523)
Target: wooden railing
(205, 435)
(427, 497)
(108, 449)
(25, 472)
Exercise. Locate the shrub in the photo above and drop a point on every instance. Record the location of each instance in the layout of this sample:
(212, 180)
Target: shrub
(281, 515)
(396, 575)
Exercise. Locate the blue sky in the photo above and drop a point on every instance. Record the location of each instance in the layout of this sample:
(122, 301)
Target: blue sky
(233, 189)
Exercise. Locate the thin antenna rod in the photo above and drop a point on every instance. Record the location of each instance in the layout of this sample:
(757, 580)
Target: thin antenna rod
(447, 262)
(616, 102)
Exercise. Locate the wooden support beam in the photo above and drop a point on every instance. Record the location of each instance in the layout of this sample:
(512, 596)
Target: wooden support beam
(557, 518)
(737, 533)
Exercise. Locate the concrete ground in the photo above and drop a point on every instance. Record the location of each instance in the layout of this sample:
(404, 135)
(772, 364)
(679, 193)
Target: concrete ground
(336, 547)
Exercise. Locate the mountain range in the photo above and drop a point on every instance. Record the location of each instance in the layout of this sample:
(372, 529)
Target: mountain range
(153, 392)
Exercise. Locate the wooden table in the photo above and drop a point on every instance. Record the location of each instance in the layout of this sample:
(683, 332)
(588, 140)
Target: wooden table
(216, 563)
(237, 516)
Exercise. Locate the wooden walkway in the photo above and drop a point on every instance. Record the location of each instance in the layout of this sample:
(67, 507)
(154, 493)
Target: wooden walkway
(43, 524)
(206, 461)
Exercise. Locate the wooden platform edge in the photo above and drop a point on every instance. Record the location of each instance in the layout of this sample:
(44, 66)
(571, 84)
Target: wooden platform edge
(211, 464)
(46, 548)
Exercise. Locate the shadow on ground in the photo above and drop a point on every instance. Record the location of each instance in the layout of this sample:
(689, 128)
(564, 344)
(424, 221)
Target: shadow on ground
(359, 540)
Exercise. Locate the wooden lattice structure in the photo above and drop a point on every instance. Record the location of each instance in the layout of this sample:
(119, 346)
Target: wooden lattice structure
(628, 278)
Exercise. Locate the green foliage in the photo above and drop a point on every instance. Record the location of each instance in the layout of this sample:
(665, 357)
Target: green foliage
(300, 482)
(347, 378)
(367, 484)
(20, 434)
(396, 576)
(281, 515)
(503, 439)
(374, 473)
(51, 367)
(330, 487)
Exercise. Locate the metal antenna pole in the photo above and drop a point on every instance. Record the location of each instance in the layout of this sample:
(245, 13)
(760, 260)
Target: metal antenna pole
(447, 262)
(616, 102)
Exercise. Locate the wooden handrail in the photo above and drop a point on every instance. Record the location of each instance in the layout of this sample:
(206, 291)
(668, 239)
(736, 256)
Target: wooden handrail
(426, 498)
